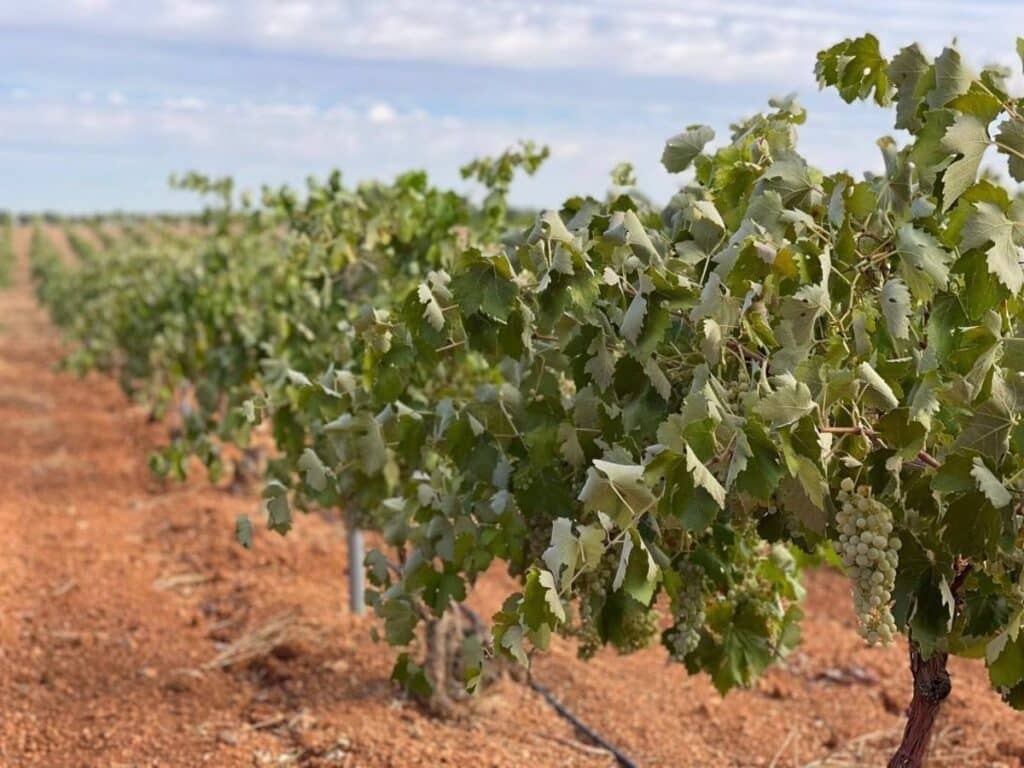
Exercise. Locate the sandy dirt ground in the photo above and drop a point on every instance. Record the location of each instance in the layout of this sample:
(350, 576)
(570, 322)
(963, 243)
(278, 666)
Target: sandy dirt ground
(135, 632)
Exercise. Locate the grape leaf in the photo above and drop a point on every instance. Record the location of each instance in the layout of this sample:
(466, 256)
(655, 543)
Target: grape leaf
(895, 299)
(988, 224)
(703, 478)
(790, 401)
(880, 386)
(968, 138)
(952, 78)
(633, 319)
(243, 531)
(316, 472)
(681, 150)
(1010, 142)
(990, 485)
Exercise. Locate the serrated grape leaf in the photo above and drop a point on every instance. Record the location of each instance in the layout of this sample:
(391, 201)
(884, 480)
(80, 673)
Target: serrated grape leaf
(617, 490)
(510, 640)
(637, 236)
(541, 604)
(658, 379)
(562, 554)
(622, 175)
(952, 78)
(243, 531)
(275, 504)
(989, 224)
(682, 149)
(990, 485)
(554, 228)
(297, 378)
(987, 430)
(761, 476)
(902, 433)
(591, 546)
(369, 440)
(924, 262)
(703, 478)
(1010, 142)
(973, 526)
(741, 455)
(1007, 669)
(378, 568)
(967, 137)
(925, 402)
(906, 71)
(314, 469)
(681, 498)
(633, 319)
(793, 496)
(472, 658)
(856, 68)
(746, 649)
(930, 614)
(569, 445)
(954, 476)
(485, 285)
(895, 301)
(432, 312)
(601, 367)
(637, 574)
(399, 621)
(447, 588)
(791, 177)
(790, 401)
(877, 384)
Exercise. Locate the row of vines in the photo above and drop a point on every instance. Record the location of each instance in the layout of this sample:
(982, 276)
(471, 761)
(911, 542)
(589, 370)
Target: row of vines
(654, 416)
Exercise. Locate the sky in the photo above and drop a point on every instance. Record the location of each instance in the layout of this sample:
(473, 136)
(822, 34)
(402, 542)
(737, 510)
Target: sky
(100, 100)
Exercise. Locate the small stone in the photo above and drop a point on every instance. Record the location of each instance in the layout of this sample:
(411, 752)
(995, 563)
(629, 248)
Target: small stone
(228, 737)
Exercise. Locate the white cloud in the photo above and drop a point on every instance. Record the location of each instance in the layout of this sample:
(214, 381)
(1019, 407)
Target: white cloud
(720, 40)
(186, 14)
(91, 6)
(381, 113)
(185, 104)
(255, 140)
(574, 54)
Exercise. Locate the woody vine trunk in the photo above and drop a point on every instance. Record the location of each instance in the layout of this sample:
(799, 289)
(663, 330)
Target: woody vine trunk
(932, 686)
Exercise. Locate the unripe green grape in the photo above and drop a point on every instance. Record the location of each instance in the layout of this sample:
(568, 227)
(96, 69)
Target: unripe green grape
(870, 556)
(637, 627)
(688, 615)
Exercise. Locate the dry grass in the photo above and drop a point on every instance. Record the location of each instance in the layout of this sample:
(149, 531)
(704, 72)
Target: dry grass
(875, 748)
(256, 643)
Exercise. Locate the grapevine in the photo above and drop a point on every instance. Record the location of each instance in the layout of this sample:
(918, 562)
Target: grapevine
(630, 406)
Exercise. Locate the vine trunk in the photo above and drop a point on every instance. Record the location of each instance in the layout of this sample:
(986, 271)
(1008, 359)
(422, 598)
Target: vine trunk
(932, 686)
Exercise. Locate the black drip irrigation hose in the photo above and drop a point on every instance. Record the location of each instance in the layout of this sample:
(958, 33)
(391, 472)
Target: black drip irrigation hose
(582, 727)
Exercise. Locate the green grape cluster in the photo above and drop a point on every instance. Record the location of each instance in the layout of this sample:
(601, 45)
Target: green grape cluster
(870, 553)
(609, 616)
(687, 616)
(731, 396)
(637, 626)
(593, 592)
